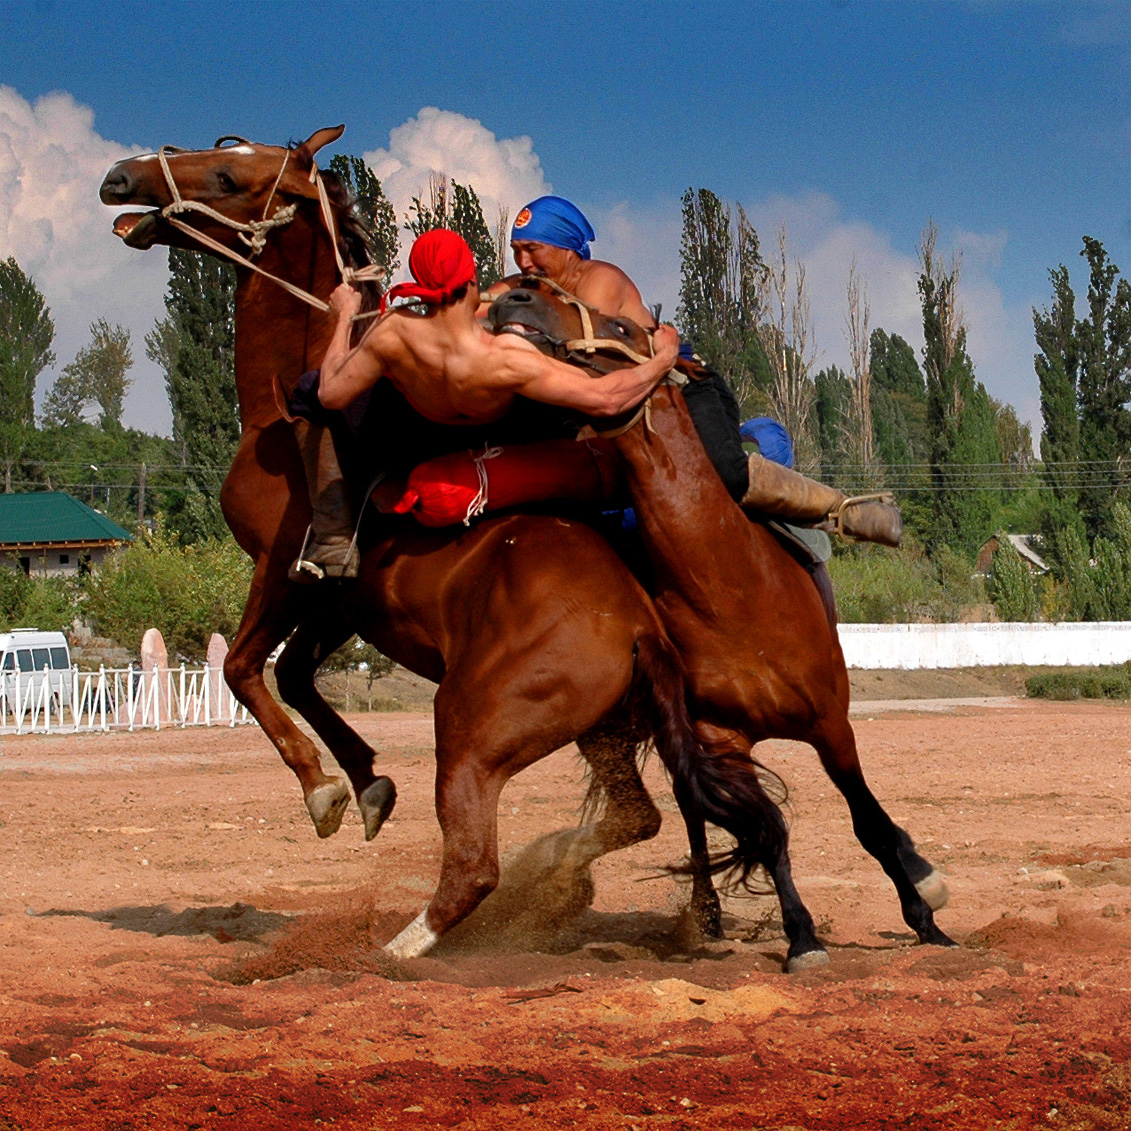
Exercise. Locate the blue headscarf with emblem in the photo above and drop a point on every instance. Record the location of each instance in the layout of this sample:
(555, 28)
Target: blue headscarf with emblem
(555, 221)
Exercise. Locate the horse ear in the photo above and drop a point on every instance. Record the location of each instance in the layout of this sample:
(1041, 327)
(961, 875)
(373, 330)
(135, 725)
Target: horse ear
(305, 152)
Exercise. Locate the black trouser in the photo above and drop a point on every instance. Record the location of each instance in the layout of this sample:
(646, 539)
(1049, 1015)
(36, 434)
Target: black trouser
(714, 412)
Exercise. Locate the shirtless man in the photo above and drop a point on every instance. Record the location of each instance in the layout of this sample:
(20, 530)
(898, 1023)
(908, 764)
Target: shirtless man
(450, 370)
(550, 238)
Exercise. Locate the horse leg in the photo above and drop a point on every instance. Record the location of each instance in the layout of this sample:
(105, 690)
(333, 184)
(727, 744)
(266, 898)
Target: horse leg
(706, 910)
(315, 639)
(805, 949)
(918, 885)
(629, 815)
(268, 616)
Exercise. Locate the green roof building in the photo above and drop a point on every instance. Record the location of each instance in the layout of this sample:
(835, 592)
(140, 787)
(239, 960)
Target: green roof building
(49, 534)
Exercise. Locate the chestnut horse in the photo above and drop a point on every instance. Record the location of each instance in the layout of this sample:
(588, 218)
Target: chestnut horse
(534, 629)
(761, 651)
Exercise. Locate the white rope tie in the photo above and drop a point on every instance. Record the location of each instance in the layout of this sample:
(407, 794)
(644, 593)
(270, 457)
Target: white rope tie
(479, 504)
(254, 232)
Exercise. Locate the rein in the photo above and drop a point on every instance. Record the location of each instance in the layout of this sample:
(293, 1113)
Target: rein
(254, 233)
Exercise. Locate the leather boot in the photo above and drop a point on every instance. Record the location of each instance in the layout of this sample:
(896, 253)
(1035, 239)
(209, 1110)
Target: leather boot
(779, 492)
(330, 547)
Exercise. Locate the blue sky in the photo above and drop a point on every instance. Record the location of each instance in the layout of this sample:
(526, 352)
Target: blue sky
(1008, 124)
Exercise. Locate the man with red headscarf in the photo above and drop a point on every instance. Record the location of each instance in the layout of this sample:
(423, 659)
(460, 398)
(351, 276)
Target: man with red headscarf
(450, 370)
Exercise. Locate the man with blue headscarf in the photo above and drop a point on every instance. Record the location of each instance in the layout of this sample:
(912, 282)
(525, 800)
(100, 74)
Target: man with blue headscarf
(550, 238)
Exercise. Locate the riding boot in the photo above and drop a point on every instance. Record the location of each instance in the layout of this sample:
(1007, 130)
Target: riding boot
(779, 492)
(330, 548)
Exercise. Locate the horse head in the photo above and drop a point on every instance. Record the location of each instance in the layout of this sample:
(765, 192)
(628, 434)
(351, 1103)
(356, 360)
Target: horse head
(233, 193)
(566, 328)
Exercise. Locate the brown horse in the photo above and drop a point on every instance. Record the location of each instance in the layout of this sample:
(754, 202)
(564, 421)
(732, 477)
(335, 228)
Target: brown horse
(761, 651)
(535, 631)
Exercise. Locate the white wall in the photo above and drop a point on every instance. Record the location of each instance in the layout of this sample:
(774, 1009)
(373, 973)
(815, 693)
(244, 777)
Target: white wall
(905, 646)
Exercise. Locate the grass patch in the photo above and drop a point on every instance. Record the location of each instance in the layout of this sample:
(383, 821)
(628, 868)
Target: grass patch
(1083, 683)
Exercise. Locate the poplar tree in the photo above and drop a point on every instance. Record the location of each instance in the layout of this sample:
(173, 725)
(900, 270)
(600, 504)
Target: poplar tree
(26, 334)
(1056, 367)
(452, 205)
(195, 345)
(720, 294)
(899, 402)
(960, 416)
(371, 206)
(1103, 359)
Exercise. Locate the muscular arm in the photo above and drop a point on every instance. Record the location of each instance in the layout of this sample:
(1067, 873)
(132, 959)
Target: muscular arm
(526, 371)
(345, 372)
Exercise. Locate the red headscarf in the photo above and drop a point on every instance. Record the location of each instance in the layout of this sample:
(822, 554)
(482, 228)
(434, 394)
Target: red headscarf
(441, 263)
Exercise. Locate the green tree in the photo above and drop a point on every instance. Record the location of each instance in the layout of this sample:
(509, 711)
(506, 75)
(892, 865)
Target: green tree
(720, 294)
(1103, 355)
(26, 334)
(98, 374)
(960, 416)
(195, 345)
(1013, 589)
(455, 206)
(373, 209)
(899, 415)
(833, 408)
(1057, 373)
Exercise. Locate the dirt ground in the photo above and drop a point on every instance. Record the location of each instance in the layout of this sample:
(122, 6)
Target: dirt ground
(178, 949)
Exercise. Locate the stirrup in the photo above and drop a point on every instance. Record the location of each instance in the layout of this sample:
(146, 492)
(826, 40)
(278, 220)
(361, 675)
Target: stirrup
(301, 570)
(857, 522)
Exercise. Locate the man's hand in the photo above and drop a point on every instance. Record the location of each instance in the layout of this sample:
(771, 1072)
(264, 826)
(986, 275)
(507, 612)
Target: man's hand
(665, 343)
(345, 302)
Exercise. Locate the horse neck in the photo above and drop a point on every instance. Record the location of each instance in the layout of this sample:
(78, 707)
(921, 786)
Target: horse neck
(696, 534)
(278, 336)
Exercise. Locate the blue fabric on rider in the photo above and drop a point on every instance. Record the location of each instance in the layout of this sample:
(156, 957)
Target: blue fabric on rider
(555, 221)
(771, 437)
(304, 401)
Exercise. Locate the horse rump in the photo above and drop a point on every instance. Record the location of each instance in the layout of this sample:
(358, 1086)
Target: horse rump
(724, 784)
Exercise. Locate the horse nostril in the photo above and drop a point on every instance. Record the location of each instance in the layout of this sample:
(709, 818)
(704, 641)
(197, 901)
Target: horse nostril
(521, 296)
(116, 185)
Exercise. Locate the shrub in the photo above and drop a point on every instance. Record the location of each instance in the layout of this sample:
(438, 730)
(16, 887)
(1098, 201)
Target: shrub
(188, 592)
(874, 585)
(1089, 683)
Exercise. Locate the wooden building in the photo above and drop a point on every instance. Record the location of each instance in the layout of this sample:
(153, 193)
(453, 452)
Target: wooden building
(52, 534)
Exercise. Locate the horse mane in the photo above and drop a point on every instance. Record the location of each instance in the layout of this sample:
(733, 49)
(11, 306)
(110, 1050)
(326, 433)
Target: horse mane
(353, 238)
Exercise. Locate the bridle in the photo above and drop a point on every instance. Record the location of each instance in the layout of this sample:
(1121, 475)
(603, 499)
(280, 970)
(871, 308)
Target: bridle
(584, 350)
(254, 233)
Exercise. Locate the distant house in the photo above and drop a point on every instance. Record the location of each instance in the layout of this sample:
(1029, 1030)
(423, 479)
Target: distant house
(51, 534)
(1027, 545)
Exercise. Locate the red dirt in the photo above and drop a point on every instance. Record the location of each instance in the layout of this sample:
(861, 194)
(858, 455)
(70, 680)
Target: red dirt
(147, 880)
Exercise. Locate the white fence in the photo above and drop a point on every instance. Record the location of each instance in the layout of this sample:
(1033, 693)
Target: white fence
(907, 646)
(116, 699)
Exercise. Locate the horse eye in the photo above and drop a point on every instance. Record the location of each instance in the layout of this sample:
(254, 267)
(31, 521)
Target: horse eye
(622, 330)
(226, 182)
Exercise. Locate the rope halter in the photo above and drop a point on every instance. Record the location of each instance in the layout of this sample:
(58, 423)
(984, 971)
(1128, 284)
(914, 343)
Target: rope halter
(254, 232)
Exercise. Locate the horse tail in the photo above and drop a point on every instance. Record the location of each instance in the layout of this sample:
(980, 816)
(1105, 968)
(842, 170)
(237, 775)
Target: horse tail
(728, 787)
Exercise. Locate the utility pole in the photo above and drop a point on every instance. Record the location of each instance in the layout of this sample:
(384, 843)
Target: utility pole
(141, 496)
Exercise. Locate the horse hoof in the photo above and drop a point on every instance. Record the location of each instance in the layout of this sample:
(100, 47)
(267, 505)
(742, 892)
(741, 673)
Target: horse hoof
(416, 939)
(810, 960)
(376, 803)
(933, 891)
(326, 805)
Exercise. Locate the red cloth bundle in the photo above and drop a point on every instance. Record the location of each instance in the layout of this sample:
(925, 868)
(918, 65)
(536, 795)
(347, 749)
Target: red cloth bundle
(457, 487)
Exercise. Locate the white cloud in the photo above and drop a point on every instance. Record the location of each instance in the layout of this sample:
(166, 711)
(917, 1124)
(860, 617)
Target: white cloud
(505, 172)
(51, 163)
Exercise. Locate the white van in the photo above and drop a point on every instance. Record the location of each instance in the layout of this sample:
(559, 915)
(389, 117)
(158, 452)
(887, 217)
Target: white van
(28, 656)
